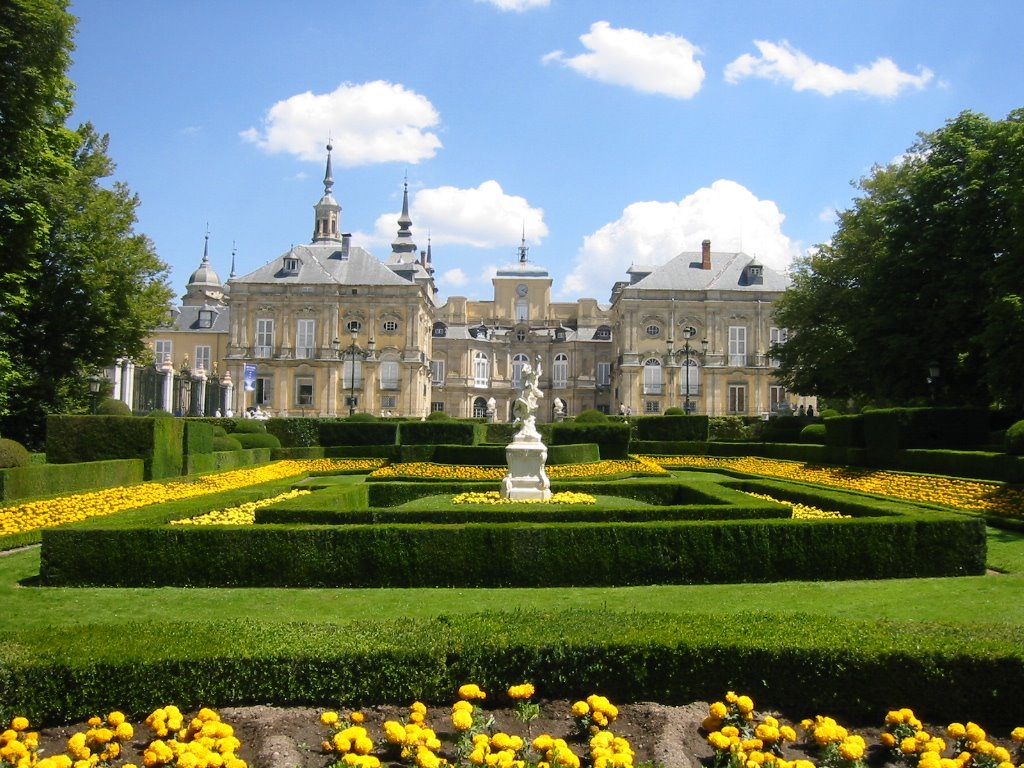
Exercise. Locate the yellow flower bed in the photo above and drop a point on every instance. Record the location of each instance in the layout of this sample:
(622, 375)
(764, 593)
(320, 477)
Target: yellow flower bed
(422, 469)
(494, 497)
(243, 514)
(49, 513)
(949, 491)
(802, 511)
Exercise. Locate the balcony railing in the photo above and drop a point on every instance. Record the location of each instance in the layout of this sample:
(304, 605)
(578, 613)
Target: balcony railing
(654, 389)
(390, 384)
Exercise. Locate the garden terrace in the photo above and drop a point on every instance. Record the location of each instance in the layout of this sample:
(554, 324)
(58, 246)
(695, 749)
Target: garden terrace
(706, 533)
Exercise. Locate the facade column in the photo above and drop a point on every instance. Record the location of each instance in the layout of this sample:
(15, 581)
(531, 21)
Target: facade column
(116, 384)
(168, 385)
(128, 382)
(228, 393)
(198, 404)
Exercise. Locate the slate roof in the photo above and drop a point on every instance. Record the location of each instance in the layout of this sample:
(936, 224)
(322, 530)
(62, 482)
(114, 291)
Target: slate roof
(729, 272)
(322, 263)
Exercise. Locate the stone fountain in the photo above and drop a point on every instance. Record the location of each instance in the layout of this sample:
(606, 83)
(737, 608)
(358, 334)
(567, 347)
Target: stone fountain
(526, 454)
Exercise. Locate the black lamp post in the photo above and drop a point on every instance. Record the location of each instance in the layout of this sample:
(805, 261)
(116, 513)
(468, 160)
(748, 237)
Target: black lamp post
(933, 374)
(354, 350)
(687, 351)
(94, 388)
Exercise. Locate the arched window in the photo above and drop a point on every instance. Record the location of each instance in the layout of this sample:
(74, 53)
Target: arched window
(652, 376)
(560, 371)
(481, 369)
(522, 310)
(518, 361)
(689, 377)
(479, 408)
(390, 376)
(351, 372)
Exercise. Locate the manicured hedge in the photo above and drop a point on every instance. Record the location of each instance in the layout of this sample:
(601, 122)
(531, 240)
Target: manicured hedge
(517, 555)
(334, 433)
(437, 433)
(54, 479)
(256, 440)
(612, 439)
(295, 433)
(158, 442)
(248, 457)
(673, 428)
(976, 464)
(855, 670)
(198, 438)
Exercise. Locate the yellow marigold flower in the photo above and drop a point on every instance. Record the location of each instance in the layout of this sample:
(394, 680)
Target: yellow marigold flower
(580, 709)
(462, 720)
(852, 749)
(888, 740)
(418, 707)
(718, 710)
(974, 732)
(471, 692)
(543, 743)
(731, 697)
(719, 741)
(416, 717)
(394, 732)
(908, 746)
(731, 731)
(787, 733)
(745, 704)
(522, 691)
(328, 718)
(956, 730)
(19, 724)
(357, 717)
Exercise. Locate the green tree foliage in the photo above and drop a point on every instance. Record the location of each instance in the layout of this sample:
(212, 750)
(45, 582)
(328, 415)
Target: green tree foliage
(79, 286)
(924, 269)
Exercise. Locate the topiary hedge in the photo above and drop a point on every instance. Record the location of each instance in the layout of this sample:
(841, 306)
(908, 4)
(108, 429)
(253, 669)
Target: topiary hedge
(813, 434)
(611, 438)
(159, 442)
(256, 439)
(13, 454)
(54, 479)
(671, 428)
(111, 406)
(437, 432)
(295, 433)
(333, 433)
(1014, 439)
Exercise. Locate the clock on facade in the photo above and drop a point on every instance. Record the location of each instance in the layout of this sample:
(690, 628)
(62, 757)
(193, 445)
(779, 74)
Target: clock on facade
(522, 289)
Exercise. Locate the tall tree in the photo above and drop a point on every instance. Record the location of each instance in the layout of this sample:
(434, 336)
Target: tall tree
(908, 281)
(79, 286)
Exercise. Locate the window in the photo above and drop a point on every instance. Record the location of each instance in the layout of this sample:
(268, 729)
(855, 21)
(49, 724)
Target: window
(304, 339)
(776, 337)
(518, 361)
(206, 318)
(560, 371)
(737, 345)
(603, 333)
(522, 310)
(352, 373)
(304, 391)
(440, 330)
(163, 350)
(354, 325)
(291, 265)
(203, 358)
(737, 398)
(389, 401)
(264, 394)
(604, 408)
(653, 330)
(652, 406)
(436, 406)
(521, 335)
(777, 397)
(437, 372)
(652, 376)
(481, 369)
(479, 408)
(390, 326)
(264, 337)
(689, 378)
(604, 374)
(390, 377)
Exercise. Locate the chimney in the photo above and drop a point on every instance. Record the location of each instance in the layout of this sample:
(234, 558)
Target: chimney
(346, 243)
(705, 255)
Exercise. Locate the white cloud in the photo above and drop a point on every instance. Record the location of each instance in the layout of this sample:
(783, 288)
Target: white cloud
(453, 278)
(374, 122)
(828, 214)
(517, 5)
(783, 62)
(662, 64)
(482, 217)
(650, 233)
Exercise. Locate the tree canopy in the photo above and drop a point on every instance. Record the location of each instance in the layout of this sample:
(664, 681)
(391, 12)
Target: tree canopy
(923, 273)
(79, 286)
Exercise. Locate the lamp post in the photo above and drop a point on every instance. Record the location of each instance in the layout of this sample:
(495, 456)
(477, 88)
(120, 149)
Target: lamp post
(354, 350)
(933, 374)
(94, 388)
(686, 353)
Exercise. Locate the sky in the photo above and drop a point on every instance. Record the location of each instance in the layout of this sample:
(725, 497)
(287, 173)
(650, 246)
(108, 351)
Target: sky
(606, 132)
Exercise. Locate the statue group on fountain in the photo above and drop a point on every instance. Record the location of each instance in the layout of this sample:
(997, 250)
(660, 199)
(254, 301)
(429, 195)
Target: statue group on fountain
(526, 454)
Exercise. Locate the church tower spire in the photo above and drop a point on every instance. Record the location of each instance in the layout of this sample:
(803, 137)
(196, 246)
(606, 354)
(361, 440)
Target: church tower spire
(328, 212)
(403, 248)
(524, 249)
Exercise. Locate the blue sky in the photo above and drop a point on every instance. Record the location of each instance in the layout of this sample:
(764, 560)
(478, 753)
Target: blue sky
(612, 132)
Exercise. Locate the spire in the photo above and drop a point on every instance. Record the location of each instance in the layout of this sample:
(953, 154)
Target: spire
(234, 250)
(524, 249)
(327, 227)
(206, 246)
(403, 248)
(429, 260)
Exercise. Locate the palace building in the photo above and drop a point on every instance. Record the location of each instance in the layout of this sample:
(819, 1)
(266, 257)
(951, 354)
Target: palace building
(327, 329)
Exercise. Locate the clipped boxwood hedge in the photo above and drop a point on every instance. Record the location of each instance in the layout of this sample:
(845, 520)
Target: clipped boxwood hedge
(438, 432)
(256, 439)
(853, 669)
(333, 433)
(158, 442)
(54, 479)
(612, 439)
(518, 555)
(674, 428)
